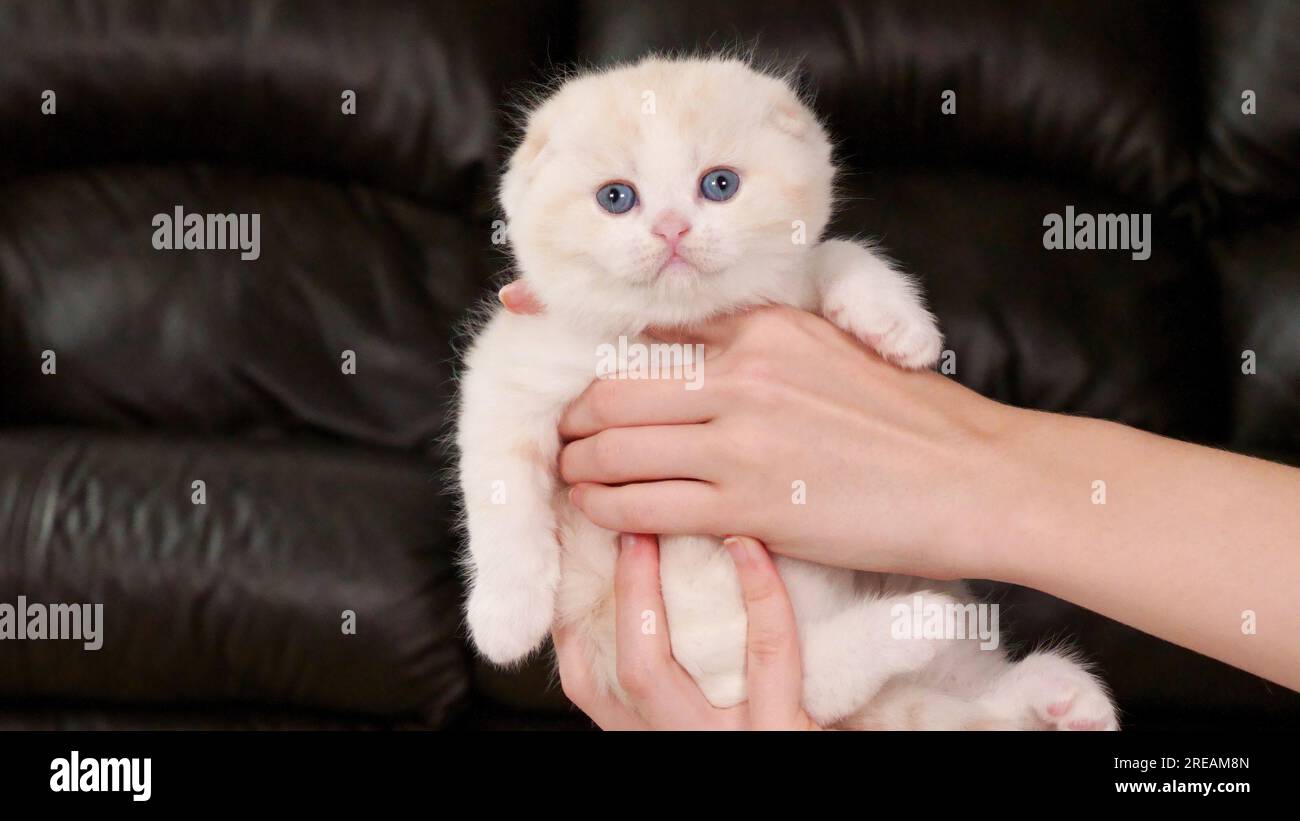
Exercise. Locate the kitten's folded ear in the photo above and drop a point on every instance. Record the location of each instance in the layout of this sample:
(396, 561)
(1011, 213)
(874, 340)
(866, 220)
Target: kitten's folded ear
(531, 148)
(524, 161)
(791, 117)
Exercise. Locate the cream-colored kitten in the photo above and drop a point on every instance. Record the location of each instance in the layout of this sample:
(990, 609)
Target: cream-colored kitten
(665, 193)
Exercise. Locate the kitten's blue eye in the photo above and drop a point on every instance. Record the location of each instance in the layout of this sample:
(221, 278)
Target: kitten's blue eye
(720, 184)
(616, 197)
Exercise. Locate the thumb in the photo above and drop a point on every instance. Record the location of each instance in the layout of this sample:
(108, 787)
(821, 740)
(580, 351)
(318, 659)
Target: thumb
(519, 298)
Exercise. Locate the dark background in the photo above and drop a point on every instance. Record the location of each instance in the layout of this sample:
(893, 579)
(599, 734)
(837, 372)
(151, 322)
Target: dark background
(325, 491)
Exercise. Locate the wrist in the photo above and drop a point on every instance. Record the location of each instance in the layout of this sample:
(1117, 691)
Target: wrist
(1049, 479)
(1014, 472)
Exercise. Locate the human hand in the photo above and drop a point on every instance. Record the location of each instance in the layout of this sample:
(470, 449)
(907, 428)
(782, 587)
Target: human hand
(804, 439)
(663, 696)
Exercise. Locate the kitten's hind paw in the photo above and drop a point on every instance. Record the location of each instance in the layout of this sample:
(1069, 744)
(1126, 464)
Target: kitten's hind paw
(1064, 696)
(1068, 706)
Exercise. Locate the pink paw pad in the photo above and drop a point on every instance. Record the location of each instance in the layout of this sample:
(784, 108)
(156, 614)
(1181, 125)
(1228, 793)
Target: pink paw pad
(1071, 701)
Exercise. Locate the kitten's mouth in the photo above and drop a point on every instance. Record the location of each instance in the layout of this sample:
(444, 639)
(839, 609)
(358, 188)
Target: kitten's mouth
(675, 264)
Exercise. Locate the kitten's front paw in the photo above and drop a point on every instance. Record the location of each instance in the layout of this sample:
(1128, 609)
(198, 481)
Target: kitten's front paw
(1064, 696)
(510, 621)
(898, 328)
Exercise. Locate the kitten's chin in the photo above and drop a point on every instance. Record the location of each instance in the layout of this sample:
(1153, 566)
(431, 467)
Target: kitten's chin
(675, 299)
(675, 265)
(680, 293)
(685, 298)
(678, 276)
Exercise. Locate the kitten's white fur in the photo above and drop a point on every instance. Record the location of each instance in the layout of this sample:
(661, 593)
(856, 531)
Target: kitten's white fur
(660, 124)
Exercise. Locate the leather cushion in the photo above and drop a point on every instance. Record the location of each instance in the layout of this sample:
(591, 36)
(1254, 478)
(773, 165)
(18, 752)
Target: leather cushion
(204, 342)
(239, 600)
(1076, 88)
(1089, 332)
(1251, 162)
(1260, 271)
(260, 84)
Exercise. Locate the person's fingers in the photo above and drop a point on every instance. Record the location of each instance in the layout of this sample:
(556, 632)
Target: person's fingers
(664, 694)
(579, 685)
(644, 454)
(518, 298)
(774, 672)
(621, 403)
(675, 507)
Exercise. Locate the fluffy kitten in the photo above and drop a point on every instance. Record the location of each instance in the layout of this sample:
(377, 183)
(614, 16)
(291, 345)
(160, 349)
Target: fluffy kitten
(665, 193)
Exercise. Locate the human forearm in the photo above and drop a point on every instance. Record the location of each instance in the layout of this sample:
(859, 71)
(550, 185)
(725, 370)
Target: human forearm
(1188, 543)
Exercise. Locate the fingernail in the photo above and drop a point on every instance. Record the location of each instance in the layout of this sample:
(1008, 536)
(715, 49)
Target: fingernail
(736, 547)
(573, 496)
(626, 541)
(509, 296)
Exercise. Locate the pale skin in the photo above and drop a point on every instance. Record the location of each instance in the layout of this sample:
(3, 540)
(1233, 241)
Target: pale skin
(910, 472)
(663, 696)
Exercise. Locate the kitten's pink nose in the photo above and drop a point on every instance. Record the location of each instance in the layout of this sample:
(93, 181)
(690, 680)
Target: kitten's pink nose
(670, 226)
